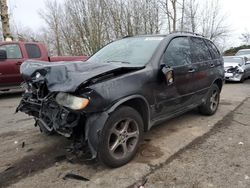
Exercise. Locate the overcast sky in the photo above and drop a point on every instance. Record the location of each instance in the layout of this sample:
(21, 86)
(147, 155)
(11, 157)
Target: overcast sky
(25, 12)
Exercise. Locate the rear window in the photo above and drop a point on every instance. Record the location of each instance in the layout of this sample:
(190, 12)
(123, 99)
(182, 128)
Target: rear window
(33, 51)
(213, 50)
(200, 50)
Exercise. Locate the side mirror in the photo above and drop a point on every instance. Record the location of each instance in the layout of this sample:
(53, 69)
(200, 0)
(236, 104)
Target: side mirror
(3, 55)
(168, 74)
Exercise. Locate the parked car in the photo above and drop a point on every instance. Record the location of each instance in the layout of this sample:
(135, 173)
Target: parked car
(13, 54)
(236, 68)
(123, 90)
(243, 53)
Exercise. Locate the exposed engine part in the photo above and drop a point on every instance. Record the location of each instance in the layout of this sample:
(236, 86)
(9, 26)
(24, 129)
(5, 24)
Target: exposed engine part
(234, 73)
(40, 121)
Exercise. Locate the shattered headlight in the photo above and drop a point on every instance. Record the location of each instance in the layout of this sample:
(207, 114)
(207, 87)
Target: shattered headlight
(240, 70)
(72, 102)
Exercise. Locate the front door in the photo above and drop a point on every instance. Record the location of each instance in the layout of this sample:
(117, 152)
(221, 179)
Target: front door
(10, 67)
(177, 96)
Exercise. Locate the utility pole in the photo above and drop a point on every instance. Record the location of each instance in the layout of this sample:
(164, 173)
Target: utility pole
(5, 21)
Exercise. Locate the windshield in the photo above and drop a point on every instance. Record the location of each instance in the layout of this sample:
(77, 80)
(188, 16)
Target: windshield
(246, 52)
(128, 50)
(231, 60)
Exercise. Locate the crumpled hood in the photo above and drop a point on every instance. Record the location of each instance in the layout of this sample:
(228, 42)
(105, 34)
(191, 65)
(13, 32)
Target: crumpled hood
(230, 65)
(246, 55)
(67, 76)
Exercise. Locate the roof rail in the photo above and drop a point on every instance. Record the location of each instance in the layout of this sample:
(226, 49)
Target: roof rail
(189, 32)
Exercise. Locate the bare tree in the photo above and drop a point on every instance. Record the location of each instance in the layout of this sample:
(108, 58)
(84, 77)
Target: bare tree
(52, 16)
(213, 24)
(191, 18)
(170, 9)
(82, 27)
(182, 15)
(245, 37)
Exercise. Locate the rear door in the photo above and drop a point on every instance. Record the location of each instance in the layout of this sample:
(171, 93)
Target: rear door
(177, 96)
(9, 68)
(203, 63)
(216, 64)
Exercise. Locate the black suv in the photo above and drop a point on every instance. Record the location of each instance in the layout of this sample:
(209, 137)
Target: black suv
(124, 89)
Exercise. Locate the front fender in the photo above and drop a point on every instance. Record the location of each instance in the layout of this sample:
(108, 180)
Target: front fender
(114, 106)
(96, 122)
(93, 128)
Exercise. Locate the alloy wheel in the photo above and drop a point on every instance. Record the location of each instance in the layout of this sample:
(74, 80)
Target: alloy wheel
(123, 138)
(214, 100)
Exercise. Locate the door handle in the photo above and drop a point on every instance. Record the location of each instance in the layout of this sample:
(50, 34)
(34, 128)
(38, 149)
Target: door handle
(191, 70)
(212, 65)
(19, 63)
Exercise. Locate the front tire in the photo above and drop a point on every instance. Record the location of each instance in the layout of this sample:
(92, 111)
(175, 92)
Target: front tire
(212, 102)
(120, 137)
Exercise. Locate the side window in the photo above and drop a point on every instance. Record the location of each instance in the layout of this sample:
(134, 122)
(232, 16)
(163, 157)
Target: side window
(33, 50)
(200, 50)
(13, 51)
(178, 52)
(213, 50)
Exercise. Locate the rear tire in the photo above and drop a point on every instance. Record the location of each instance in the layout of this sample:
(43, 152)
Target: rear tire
(120, 137)
(212, 102)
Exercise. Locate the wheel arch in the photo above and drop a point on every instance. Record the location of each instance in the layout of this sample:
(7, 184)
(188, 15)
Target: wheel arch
(137, 102)
(219, 83)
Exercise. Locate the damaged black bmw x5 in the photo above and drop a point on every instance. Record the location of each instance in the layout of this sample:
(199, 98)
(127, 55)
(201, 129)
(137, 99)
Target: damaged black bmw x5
(123, 90)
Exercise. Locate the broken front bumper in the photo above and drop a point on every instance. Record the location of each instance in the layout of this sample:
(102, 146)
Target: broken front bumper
(69, 123)
(50, 115)
(234, 76)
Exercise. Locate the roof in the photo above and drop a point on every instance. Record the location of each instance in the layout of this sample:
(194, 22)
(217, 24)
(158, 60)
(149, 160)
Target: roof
(177, 33)
(18, 42)
(244, 50)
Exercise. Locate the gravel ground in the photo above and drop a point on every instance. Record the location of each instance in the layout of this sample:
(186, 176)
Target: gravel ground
(30, 159)
(218, 159)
